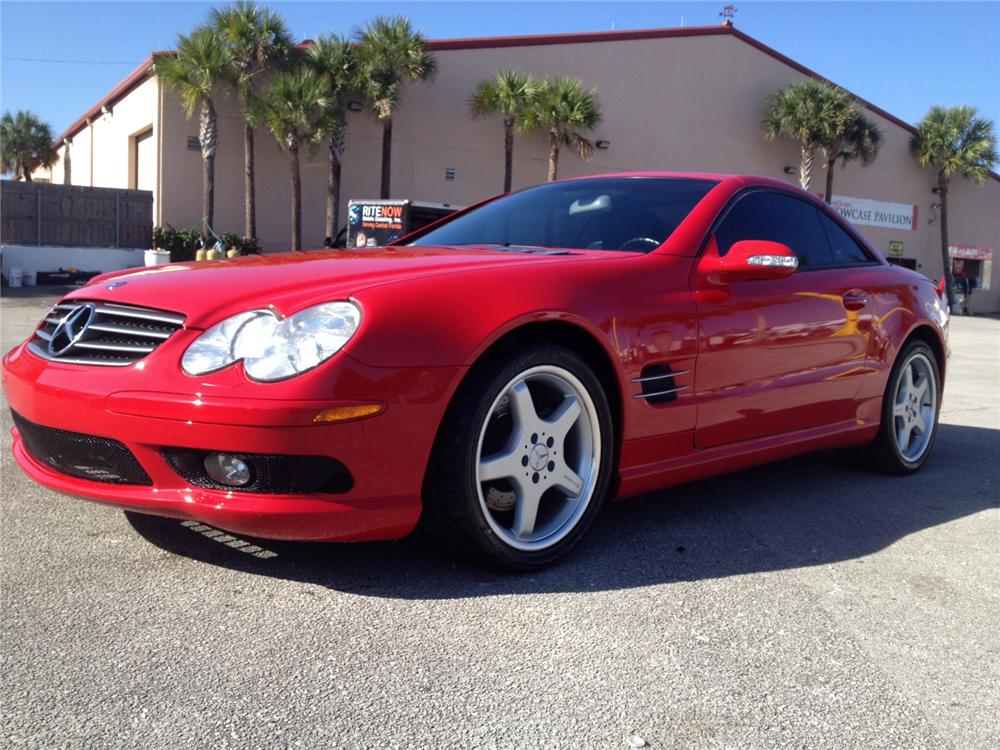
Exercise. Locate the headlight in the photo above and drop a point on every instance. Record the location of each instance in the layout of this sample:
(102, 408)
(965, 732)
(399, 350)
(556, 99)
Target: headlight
(274, 349)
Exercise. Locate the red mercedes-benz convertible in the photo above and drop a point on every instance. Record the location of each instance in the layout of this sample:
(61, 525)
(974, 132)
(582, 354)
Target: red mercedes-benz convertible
(498, 375)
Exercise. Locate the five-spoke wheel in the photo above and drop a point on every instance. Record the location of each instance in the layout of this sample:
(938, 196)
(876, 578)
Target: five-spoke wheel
(538, 450)
(914, 408)
(909, 414)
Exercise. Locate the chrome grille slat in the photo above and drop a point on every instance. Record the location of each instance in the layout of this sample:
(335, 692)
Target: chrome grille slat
(112, 347)
(128, 330)
(134, 312)
(105, 334)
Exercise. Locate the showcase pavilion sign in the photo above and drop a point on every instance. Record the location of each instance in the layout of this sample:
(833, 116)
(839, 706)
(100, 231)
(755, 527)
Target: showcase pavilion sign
(869, 213)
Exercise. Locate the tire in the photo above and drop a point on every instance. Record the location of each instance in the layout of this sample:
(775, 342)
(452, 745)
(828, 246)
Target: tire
(906, 406)
(530, 429)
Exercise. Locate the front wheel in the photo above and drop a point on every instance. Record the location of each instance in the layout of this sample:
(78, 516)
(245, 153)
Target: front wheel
(523, 459)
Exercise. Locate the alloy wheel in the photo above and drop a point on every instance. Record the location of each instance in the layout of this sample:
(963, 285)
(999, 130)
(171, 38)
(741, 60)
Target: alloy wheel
(538, 458)
(914, 409)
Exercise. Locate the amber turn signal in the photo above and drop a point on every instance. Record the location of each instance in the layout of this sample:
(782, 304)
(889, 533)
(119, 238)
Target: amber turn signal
(345, 413)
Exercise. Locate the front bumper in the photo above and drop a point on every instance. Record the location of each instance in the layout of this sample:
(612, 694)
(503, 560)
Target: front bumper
(140, 407)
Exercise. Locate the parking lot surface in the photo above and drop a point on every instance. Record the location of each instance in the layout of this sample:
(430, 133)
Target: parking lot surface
(803, 604)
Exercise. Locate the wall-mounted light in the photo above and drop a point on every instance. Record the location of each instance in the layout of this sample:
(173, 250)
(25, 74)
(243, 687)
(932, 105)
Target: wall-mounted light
(789, 170)
(355, 106)
(603, 145)
(106, 110)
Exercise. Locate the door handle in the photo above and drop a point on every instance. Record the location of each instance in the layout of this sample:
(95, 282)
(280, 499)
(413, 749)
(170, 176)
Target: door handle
(855, 299)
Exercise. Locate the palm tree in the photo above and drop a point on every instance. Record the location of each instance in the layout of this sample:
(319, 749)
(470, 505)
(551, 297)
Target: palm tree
(509, 94)
(25, 144)
(255, 39)
(563, 108)
(810, 113)
(389, 53)
(194, 71)
(860, 139)
(957, 143)
(332, 58)
(294, 108)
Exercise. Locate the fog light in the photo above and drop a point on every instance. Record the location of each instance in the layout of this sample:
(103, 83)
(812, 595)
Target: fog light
(226, 469)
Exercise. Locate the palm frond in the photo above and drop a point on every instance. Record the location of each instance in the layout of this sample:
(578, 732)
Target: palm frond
(294, 107)
(199, 65)
(510, 93)
(389, 53)
(25, 143)
(564, 108)
(956, 142)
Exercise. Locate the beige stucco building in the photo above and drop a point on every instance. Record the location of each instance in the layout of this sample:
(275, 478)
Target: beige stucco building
(673, 99)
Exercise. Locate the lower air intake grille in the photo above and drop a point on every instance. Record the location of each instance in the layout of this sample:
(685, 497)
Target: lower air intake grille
(102, 333)
(82, 456)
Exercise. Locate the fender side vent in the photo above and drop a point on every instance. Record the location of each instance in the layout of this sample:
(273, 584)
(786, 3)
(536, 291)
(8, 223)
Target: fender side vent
(658, 384)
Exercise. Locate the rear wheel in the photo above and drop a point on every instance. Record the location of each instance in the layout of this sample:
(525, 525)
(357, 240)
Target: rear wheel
(523, 460)
(910, 410)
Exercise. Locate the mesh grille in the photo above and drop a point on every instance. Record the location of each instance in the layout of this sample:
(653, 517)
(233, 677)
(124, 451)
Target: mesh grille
(102, 333)
(88, 457)
(271, 474)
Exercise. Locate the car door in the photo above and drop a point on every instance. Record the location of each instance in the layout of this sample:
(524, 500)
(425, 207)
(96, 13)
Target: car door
(778, 355)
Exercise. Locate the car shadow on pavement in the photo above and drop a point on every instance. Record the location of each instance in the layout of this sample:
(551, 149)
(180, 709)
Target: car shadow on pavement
(805, 511)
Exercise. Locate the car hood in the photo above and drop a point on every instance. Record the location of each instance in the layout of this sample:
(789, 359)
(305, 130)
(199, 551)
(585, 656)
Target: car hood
(207, 291)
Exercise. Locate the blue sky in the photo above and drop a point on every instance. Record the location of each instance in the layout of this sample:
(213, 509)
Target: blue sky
(902, 56)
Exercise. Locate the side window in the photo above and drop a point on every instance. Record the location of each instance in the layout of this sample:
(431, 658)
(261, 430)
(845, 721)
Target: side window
(846, 251)
(777, 218)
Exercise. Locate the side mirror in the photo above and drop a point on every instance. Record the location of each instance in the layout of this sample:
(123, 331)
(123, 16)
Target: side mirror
(750, 260)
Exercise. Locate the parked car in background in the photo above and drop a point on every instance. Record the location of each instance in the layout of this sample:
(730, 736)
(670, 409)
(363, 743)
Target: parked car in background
(500, 374)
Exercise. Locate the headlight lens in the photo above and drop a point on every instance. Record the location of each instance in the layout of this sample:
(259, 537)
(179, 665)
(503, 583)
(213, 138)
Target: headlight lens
(274, 349)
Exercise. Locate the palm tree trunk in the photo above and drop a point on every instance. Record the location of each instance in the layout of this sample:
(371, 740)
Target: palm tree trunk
(949, 283)
(209, 135)
(829, 180)
(508, 152)
(333, 190)
(250, 194)
(293, 164)
(553, 155)
(25, 173)
(806, 167)
(386, 156)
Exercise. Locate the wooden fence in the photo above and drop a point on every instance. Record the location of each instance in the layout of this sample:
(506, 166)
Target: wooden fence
(40, 213)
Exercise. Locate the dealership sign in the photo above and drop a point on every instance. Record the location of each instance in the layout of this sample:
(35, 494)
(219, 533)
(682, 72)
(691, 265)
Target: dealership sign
(967, 252)
(871, 213)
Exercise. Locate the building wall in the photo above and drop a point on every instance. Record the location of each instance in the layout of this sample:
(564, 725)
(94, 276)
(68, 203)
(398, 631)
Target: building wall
(102, 152)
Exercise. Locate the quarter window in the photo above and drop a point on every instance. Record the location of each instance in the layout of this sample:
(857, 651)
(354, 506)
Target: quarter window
(846, 250)
(777, 218)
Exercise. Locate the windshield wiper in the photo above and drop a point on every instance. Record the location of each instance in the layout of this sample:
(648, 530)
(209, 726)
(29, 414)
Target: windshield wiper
(514, 248)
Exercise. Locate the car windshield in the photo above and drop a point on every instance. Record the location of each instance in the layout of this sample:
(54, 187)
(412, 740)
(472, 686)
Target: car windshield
(608, 213)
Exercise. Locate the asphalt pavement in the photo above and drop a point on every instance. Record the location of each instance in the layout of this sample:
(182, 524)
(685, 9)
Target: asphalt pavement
(803, 604)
